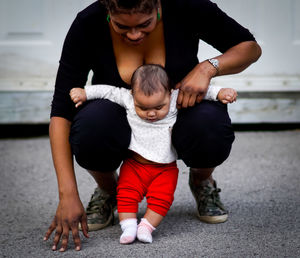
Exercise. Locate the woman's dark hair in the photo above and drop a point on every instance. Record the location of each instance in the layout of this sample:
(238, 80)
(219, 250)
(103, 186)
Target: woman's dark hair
(130, 6)
(150, 78)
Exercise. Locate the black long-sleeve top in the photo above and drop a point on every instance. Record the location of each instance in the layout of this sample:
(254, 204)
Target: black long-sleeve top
(88, 46)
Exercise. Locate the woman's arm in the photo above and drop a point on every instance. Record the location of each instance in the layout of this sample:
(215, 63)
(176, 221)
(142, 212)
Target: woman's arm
(236, 43)
(59, 131)
(70, 211)
(236, 59)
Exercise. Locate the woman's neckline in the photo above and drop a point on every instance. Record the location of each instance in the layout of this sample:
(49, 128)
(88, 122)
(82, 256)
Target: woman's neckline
(165, 42)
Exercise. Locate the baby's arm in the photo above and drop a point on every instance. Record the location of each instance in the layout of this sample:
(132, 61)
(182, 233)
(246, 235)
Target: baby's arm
(225, 95)
(101, 91)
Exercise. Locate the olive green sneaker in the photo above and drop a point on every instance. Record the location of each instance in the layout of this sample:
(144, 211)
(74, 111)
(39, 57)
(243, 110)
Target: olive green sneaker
(100, 210)
(209, 206)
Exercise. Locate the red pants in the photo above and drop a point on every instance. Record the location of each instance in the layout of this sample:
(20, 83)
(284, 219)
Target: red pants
(156, 181)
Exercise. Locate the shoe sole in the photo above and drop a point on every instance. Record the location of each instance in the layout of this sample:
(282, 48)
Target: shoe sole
(95, 227)
(213, 219)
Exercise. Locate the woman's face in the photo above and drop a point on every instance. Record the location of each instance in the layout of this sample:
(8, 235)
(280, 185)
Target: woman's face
(134, 28)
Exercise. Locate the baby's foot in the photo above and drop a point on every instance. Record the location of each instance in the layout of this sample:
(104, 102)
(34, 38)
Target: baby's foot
(129, 228)
(144, 232)
(227, 95)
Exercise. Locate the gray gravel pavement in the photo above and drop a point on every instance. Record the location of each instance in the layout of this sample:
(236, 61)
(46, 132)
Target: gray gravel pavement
(260, 185)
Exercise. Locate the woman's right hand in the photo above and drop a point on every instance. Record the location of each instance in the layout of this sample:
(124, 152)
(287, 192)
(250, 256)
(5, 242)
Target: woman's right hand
(70, 212)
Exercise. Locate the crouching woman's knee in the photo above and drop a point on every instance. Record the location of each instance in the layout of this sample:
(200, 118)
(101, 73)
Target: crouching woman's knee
(203, 135)
(100, 135)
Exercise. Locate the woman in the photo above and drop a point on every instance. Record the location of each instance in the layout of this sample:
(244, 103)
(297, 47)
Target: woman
(112, 39)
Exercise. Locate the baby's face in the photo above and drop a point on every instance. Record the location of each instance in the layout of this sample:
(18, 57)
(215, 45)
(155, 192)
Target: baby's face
(152, 108)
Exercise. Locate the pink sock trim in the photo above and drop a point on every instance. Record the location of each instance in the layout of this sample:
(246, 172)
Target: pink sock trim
(145, 223)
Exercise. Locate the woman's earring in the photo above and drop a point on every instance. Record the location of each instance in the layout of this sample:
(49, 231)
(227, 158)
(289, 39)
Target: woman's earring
(158, 14)
(108, 18)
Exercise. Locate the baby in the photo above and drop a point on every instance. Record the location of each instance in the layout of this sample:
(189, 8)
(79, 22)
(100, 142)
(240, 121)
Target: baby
(151, 168)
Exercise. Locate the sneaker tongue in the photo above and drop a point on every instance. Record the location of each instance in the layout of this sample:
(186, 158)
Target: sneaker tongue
(100, 192)
(206, 183)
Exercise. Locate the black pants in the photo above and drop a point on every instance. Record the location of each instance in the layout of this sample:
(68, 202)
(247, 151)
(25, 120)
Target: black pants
(100, 135)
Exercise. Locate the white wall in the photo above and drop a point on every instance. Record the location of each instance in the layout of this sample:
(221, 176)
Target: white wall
(32, 32)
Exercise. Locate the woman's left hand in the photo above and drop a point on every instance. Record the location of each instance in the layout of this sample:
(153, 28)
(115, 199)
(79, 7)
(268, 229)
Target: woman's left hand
(193, 87)
(236, 59)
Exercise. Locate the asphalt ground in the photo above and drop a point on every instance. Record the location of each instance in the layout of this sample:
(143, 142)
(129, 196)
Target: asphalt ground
(260, 185)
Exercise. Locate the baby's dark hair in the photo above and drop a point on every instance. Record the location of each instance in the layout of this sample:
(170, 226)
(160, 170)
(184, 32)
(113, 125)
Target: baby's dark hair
(149, 79)
(130, 6)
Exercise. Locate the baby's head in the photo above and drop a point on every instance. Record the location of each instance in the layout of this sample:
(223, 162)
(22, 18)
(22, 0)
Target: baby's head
(151, 90)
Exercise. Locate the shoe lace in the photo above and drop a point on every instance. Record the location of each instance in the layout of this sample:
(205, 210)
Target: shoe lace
(210, 197)
(98, 204)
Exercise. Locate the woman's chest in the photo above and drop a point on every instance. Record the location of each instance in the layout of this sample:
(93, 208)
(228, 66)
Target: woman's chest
(129, 57)
(174, 49)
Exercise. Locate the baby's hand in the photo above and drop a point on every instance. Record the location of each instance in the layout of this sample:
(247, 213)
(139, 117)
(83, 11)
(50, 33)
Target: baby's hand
(227, 95)
(78, 96)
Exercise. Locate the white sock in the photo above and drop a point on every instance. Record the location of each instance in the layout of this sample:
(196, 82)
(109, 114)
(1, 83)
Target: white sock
(129, 227)
(144, 232)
